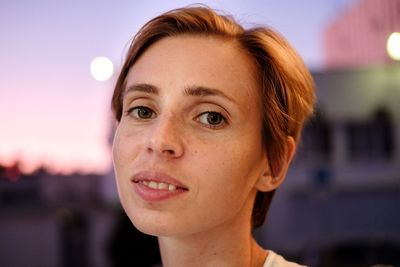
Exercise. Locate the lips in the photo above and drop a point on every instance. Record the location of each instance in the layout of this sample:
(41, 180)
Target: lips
(156, 186)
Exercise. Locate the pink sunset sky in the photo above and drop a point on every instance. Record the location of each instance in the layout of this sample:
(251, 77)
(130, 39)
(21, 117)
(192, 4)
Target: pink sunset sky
(54, 114)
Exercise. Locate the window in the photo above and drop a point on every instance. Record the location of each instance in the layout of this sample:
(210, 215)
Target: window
(371, 139)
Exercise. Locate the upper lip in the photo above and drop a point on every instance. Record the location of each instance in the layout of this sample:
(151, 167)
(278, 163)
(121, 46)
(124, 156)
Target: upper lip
(158, 177)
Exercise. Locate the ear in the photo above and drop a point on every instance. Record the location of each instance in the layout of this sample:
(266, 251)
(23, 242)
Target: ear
(270, 180)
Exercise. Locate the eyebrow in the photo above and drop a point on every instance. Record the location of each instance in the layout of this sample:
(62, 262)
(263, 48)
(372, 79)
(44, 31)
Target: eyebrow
(193, 90)
(203, 91)
(142, 87)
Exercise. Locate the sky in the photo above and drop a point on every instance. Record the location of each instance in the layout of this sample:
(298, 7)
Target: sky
(54, 114)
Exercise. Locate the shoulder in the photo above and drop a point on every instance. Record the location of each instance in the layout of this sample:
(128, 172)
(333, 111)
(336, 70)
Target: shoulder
(275, 260)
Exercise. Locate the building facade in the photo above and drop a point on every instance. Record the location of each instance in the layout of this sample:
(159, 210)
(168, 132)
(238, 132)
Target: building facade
(359, 35)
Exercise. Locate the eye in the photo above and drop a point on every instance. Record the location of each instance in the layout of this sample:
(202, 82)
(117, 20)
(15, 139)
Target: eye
(212, 119)
(141, 112)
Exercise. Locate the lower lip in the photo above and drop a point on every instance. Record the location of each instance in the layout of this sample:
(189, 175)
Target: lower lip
(154, 195)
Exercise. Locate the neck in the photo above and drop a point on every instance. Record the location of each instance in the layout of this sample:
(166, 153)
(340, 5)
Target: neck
(180, 253)
(229, 244)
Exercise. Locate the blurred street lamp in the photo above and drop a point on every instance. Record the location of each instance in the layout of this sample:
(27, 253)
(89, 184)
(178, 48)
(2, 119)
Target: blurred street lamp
(393, 46)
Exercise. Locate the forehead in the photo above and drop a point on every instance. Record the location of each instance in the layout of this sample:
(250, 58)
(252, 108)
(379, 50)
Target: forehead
(190, 60)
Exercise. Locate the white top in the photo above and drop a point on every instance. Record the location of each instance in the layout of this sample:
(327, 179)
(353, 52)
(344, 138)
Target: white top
(275, 260)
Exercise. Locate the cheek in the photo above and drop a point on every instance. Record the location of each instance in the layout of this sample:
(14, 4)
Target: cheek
(231, 167)
(117, 150)
(224, 168)
(124, 146)
(224, 187)
(122, 151)
(118, 156)
(123, 155)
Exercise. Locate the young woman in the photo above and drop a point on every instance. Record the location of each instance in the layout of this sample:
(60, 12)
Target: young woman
(209, 115)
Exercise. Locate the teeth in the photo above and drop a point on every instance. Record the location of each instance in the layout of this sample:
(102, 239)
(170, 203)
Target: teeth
(162, 186)
(153, 185)
(171, 187)
(159, 186)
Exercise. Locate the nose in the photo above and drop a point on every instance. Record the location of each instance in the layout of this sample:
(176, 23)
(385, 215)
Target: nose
(165, 139)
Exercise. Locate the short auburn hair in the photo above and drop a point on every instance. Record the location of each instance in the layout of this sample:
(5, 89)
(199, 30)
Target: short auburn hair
(285, 84)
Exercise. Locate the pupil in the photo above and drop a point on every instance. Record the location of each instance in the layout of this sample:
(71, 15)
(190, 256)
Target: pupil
(213, 118)
(144, 113)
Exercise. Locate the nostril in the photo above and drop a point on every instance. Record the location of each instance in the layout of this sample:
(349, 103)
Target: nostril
(167, 146)
(169, 151)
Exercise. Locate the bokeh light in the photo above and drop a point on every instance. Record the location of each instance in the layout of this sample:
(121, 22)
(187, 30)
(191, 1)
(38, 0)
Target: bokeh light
(101, 68)
(393, 46)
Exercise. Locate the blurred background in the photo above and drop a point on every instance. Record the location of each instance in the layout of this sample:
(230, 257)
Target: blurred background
(340, 204)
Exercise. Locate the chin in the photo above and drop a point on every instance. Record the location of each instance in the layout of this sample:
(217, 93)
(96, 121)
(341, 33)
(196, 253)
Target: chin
(147, 229)
(155, 224)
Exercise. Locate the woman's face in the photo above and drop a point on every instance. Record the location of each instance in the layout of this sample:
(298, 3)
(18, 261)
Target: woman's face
(188, 149)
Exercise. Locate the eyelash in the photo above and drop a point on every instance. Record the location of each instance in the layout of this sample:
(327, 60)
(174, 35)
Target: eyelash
(140, 108)
(222, 121)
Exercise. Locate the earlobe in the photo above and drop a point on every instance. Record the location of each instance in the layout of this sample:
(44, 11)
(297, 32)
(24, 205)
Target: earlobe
(273, 176)
(266, 182)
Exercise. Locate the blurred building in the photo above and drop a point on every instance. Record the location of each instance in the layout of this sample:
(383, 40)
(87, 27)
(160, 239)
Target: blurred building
(358, 36)
(344, 186)
(52, 220)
